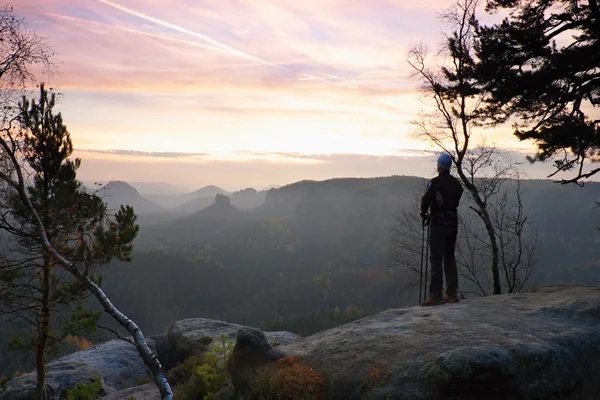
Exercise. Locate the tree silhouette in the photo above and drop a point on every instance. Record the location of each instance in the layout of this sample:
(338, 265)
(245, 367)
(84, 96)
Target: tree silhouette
(68, 229)
(23, 156)
(40, 296)
(456, 98)
(542, 65)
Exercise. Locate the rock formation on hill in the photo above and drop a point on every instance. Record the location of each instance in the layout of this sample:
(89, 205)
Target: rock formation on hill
(540, 345)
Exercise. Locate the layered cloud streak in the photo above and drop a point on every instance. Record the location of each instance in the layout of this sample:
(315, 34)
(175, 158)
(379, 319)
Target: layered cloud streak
(225, 77)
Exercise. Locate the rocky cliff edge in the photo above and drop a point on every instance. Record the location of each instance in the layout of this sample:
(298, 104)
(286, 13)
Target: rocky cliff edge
(539, 345)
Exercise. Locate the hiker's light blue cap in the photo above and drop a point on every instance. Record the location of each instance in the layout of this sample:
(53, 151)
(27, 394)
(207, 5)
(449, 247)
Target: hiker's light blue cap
(445, 161)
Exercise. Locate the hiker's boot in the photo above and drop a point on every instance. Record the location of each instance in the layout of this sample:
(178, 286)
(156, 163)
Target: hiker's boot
(451, 299)
(433, 301)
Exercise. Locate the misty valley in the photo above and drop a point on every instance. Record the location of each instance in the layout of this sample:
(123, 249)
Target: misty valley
(411, 224)
(309, 255)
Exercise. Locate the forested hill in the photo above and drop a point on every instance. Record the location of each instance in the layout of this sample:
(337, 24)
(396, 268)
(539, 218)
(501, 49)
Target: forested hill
(314, 246)
(318, 206)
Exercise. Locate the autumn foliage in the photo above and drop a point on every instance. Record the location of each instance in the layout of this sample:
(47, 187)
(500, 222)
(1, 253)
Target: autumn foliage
(288, 379)
(80, 342)
(3, 382)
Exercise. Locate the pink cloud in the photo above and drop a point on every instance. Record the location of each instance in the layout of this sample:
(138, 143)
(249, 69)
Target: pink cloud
(197, 41)
(223, 76)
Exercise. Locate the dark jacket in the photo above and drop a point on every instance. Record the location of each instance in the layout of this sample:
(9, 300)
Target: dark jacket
(442, 197)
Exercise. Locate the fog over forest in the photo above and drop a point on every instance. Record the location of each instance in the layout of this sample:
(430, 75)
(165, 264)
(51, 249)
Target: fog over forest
(231, 201)
(283, 258)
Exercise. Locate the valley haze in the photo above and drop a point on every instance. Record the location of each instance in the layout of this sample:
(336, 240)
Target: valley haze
(274, 157)
(169, 176)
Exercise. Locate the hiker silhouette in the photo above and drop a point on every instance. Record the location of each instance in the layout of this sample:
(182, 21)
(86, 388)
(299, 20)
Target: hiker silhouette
(439, 208)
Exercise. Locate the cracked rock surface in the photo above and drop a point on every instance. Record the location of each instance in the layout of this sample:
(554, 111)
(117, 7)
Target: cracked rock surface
(539, 345)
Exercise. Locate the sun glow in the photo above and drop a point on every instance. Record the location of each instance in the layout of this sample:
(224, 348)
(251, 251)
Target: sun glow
(248, 81)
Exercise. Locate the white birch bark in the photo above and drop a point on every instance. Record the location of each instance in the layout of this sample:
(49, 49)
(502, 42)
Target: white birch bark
(146, 354)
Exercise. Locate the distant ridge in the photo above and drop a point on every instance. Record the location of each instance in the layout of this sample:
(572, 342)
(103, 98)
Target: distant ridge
(164, 188)
(195, 205)
(270, 187)
(209, 191)
(117, 193)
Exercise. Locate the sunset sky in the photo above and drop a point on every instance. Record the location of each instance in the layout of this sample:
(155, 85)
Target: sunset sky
(241, 93)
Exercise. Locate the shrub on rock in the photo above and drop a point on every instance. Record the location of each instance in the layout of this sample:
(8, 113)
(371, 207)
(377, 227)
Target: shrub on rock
(208, 376)
(288, 379)
(86, 391)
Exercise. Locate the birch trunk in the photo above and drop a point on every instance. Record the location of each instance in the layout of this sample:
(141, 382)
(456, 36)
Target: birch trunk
(144, 351)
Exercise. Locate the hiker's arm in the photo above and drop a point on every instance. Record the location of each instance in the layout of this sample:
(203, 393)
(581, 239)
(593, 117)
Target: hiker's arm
(427, 198)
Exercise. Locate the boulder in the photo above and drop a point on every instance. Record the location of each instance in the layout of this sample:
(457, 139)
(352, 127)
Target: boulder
(189, 336)
(59, 379)
(252, 350)
(228, 393)
(149, 391)
(165, 351)
(541, 345)
(116, 362)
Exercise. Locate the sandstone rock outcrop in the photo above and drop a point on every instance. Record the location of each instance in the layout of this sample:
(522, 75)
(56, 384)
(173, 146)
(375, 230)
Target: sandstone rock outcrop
(541, 345)
(119, 365)
(59, 379)
(165, 351)
(186, 336)
(530, 346)
(252, 350)
(149, 391)
(116, 362)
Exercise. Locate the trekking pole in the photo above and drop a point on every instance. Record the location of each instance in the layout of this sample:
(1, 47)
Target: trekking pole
(421, 274)
(426, 259)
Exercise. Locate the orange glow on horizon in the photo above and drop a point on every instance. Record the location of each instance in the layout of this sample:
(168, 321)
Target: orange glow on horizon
(244, 82)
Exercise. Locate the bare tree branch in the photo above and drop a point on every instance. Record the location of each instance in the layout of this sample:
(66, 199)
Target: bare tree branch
(457, 98)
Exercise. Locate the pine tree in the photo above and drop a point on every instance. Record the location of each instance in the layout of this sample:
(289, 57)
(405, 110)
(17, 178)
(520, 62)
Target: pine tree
(541, 64)
(44, 298)
(21, 49)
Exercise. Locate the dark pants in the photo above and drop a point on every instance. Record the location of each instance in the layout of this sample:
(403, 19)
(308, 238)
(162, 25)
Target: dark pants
(442, 241)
